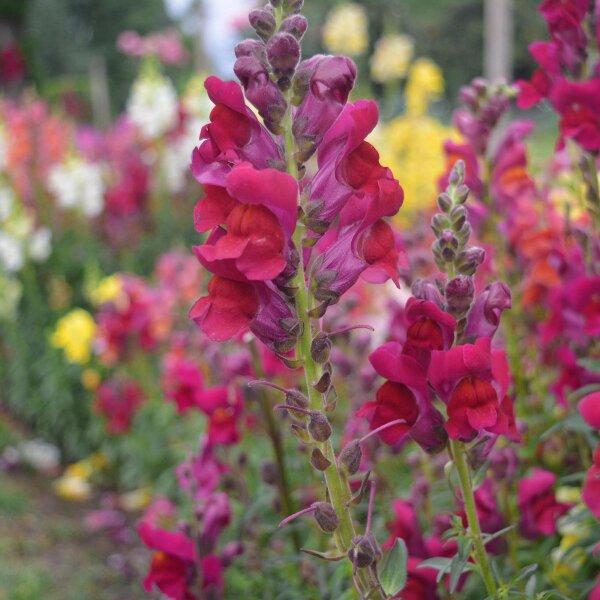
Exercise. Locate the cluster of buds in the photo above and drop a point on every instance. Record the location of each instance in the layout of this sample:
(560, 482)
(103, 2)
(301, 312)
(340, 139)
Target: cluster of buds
(485, 104)
(451, 252)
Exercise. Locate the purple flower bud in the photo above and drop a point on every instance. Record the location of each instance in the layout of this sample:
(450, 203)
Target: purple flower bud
(292, 6)
(260, 90)
(426, 290)
(326, 517)
(459, 293)
(320, 348)
(318, 460)
(263, 22)
(296, 25)
(319, 427)
(350, 457)
(254, 48)
(283, 53)
(484, 317)
(468, 261)
(364, 551)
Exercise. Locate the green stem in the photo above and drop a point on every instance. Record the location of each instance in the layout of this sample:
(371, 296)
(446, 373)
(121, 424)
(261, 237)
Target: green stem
(592, 193)
(466, 485)
(337, 483)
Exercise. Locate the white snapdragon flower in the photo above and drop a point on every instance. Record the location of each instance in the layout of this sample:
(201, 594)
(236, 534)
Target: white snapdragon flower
(78, 184)
(177, 156)
(152, 105)
(12, 254)
(40, 244)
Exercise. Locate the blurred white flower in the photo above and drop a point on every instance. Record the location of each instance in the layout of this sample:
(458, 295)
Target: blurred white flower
(78, 184)
(10, 294)
(178, 155)
(40, 455)
(40, 244)
(12, 256)
(152, 105)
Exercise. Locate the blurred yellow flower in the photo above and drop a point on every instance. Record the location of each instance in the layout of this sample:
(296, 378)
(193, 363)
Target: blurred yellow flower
(346, 30)
(109, 289)
(73, 488)
(391, 58)
(412, 147)
(567, 560)
(90, 379)
(425, 83)
(136, 500)
(74, 334)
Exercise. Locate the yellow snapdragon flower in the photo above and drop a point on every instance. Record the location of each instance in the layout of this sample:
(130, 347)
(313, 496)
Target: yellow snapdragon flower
(74, 489)
(346, 30)
(412, 147)
(109, 289)
(74, 334)
(391, 58)
(425, 83)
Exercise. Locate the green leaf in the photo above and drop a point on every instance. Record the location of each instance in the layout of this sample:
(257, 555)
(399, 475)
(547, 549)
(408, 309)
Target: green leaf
(439, 563)
(583, 391)
(457, 568)
(590, 364)
(393, 569)
(530, 587)
(487, 538)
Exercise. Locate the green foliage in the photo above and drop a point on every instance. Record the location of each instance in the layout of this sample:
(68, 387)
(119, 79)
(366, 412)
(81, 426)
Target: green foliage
(394, 568)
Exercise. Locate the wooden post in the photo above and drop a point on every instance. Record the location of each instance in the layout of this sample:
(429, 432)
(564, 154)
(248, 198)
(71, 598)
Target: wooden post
(498, 39)
(99, 93)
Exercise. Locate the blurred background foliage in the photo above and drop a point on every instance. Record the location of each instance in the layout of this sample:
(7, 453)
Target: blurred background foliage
(61, 37)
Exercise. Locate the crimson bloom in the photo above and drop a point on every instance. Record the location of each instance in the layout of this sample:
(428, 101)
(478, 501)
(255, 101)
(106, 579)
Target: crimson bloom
(173, 566)
(259, 219)
(182, 382)
(473, 380)
(429, 328)
(589, 407)
(223, 407)
(234, 135)
(578, 104)
(229, 307)
(404, 396)
(118, 399)
(538, 505)
(591, 488)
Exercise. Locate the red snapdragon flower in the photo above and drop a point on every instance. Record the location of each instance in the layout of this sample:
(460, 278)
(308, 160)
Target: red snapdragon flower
(538, 505)
(473, 380)
(182, 382)
(259, 211)
(404, 396)
(578, 104)
(118, 400)
(234, 135)
(591, 488)
(229, 307)
(223, 406)
(173, 569)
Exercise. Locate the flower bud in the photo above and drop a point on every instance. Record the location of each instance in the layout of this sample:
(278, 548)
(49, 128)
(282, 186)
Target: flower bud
(364, 551)
(462, 193)
(444, 202)
(324, 383)
(318, 460)
(468, 261)
(459, 293)
(283, 53)
(319, 427)
(326, 517)
(350, 457)
(457, 174)
(426, 290)
(320, 348)
(292, 6)
(296, 25)
(296, 398)
(458, 216)
(263, 22)
(254, 48)
(268, 472)
(438, 223)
